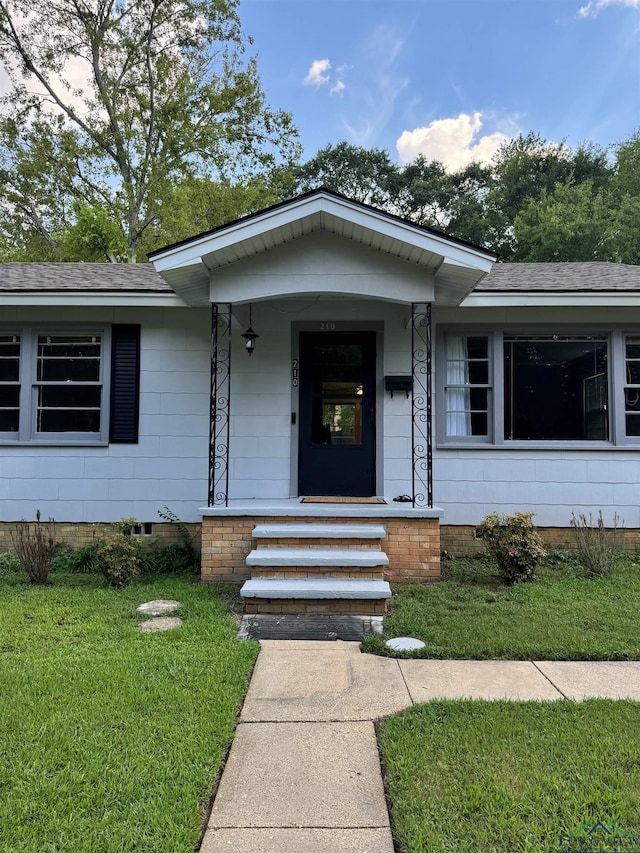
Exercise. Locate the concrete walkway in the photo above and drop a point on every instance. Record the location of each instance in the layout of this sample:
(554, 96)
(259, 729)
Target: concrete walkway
(303, 774)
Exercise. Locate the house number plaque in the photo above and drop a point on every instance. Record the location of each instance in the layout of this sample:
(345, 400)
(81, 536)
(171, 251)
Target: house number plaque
(327, 327)
(294, 373)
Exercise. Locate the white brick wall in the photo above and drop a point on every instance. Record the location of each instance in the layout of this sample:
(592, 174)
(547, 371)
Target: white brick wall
(169, 466)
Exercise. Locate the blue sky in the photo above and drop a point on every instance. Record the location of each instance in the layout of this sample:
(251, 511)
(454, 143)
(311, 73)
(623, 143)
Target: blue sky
(451, 79)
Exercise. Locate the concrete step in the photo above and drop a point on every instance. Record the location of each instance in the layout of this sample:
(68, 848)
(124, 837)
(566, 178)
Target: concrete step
(340, 557)
(319, 531)
(349, 589)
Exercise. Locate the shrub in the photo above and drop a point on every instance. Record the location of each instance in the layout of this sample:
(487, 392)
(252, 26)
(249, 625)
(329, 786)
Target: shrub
(595, 543)
(83, 559)
(190, 554)
(514, 543)
(35, 545)
(118, 556)
(156, 559)
(8, 562)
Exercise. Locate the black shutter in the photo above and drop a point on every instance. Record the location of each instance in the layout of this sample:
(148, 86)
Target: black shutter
(125, 384)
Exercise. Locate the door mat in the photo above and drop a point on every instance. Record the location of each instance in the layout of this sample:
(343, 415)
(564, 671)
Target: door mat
(325, 499)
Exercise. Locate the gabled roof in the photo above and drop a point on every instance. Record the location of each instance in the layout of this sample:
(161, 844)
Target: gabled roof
(455, 265)
(589, 276)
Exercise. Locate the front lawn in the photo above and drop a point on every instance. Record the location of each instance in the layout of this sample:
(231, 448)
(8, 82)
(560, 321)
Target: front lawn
(560, 616)
(514, 777)
(112, 740)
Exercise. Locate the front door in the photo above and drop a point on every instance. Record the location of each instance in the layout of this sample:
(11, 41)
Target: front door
(336, 453)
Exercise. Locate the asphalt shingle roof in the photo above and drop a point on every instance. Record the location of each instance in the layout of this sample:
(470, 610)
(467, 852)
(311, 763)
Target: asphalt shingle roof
(557, 277)
(503, 278)
(92, 278)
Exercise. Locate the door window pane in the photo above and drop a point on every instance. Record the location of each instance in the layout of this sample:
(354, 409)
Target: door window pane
(337, 394)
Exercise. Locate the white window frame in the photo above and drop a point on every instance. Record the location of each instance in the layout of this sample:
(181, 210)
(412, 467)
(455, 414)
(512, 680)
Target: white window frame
(616, 378)
(27, 433)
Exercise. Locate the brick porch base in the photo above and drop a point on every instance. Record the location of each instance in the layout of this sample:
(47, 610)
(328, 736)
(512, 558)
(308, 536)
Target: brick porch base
(412, 545)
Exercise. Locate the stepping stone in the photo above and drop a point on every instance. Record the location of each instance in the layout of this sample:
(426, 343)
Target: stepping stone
(158, 607)
(160, 623)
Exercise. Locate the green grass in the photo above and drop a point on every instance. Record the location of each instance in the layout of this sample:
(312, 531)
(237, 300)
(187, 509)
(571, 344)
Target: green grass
(488, 777)
(560, 616)
(112, 740)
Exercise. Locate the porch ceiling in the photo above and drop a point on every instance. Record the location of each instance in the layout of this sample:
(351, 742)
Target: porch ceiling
(456, 267)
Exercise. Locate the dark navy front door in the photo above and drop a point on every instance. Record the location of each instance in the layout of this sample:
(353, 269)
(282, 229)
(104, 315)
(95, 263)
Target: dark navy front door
(337, 414)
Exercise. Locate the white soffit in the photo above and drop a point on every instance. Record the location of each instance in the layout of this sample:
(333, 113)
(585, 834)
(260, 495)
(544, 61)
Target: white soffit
(457, 267)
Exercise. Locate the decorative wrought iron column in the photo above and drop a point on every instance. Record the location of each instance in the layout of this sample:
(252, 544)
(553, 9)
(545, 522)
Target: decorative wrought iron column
(421, 427)
(220, 404)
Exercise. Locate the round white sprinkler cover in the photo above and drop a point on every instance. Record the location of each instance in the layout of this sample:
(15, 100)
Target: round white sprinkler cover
(404, 644)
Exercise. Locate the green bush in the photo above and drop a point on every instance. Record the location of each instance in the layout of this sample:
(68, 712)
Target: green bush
(514, 543)
(8, 562)
(83, 559)
(156, 558)
(118, 558)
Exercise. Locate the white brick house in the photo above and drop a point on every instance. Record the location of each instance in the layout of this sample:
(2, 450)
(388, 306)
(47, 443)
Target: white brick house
(392, 361)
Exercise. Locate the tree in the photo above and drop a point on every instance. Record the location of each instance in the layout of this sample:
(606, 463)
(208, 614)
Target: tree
(593, 219)
(572, 223)
(364, 175)
(524, 169)
(167, 93)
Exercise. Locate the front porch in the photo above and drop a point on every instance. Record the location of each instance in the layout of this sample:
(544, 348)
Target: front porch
(336, 400)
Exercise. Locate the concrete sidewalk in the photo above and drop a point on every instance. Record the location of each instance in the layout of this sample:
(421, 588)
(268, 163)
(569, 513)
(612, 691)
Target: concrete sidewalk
(303, 774)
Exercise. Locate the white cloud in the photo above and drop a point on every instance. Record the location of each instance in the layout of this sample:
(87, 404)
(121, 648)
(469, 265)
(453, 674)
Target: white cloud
(338, 88)
(452, 141)
(592, 8)
(317, 75)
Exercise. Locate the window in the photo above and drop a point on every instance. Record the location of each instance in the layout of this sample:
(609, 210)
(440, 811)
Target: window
(467, 385)
(9, 383)
(555, 388)
(68, 385)
(632, 386)
(505, 387)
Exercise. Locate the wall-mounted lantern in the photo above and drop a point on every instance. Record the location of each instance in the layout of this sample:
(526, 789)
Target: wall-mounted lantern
(250, 337)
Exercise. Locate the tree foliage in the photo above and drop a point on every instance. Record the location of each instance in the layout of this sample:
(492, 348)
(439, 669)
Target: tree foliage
(536, 201)
(167, 93)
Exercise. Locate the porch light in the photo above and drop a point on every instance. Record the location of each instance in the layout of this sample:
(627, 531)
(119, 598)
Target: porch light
(250, 337)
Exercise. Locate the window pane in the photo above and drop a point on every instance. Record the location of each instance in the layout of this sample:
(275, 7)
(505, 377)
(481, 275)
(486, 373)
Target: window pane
(9, 396)
(68, 408)
(68, 359)
(9, 408)
(556, 388)
(633, 424)
(68, 420)
(9, 358)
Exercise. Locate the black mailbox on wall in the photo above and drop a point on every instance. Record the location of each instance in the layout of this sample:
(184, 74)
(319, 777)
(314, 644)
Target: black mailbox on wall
(398, 383)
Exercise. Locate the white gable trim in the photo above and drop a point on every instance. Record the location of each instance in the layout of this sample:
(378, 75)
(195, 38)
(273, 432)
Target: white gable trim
(457, 268)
